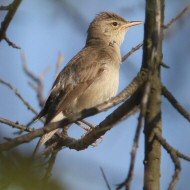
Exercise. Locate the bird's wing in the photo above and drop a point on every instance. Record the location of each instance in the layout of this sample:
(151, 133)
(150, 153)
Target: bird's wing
(74, 79)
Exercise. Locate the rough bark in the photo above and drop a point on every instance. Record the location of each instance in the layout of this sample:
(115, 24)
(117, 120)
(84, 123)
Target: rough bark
(152, 59)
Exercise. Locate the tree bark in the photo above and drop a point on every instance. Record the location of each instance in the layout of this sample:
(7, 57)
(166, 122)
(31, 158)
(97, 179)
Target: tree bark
(152, 59)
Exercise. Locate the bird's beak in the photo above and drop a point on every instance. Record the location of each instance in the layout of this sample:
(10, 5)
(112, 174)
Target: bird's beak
(133, 23)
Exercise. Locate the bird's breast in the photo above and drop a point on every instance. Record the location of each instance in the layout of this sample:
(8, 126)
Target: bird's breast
(103, 88)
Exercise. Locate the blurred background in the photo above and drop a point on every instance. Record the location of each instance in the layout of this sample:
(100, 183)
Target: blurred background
(46, 28)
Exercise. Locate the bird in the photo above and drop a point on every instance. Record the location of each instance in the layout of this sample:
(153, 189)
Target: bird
(92, 76)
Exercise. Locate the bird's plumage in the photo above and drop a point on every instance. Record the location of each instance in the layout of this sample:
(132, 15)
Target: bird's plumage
(92, 76)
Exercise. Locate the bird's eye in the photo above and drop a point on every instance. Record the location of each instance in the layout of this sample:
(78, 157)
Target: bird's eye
(114, 23)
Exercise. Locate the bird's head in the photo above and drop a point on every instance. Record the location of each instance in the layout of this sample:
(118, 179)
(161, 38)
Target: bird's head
(109, 28)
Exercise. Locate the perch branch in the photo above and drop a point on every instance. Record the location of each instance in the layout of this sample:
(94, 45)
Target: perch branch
(95, 133)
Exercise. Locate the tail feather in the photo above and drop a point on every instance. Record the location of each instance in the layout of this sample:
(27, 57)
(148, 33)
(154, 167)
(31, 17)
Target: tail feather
(47, 136)
(43, 140)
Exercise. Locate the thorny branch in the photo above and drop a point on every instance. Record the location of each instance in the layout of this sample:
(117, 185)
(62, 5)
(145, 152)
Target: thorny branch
(12, 8)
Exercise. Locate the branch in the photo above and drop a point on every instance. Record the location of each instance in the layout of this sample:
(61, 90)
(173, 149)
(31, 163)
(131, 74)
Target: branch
(11, 43)
(95, 133)
(132, 51)
(128, 180)
(16, 125)
(186, 9)
(105, 178)
(12, 8)
(19, 96)
(174, 157)
(125, 110)
(38, 80)
(51, 163)
(175, 103)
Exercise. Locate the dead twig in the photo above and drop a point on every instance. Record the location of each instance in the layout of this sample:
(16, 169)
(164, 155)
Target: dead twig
(174, 156)
(12, 8)
(105, 178)
(186, 9)
(132, 51)
(128, 180)
(11, 43)
(39, 87)
(19, 96)
(167, 94)
(16, 125)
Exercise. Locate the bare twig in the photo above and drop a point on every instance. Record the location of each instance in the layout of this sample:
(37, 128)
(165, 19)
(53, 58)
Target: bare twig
(128, 180)
(51, 163)
(186, 9)
(132, 51)
(4, 8)
(175, 103)
(174, 156)
(105, 178)
(19, 96)
(11, 43)
(38, 80)
(16, 125)
(12, 8)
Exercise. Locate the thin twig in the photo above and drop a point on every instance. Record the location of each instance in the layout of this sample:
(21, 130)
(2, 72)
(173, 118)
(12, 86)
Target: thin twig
(105, 178)
(128, 180)
(173, 153)
(132, 51)
(38, 80)
(4, 8)
(16, 125)
(51, 163)
(175, 103)
(186, 9)
(12, 8)
(19, 96)
(11, 43)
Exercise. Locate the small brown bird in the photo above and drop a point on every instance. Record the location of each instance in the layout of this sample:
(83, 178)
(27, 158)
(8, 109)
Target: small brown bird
(92, 76)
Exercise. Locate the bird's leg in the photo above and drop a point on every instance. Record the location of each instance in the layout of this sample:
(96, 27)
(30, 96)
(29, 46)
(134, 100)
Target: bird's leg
(91, 127)
(81, 125)
(88, 123)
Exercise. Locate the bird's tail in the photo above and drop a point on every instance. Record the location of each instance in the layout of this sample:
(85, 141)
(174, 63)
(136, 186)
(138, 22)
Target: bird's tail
(43, 140)
(48, 136)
